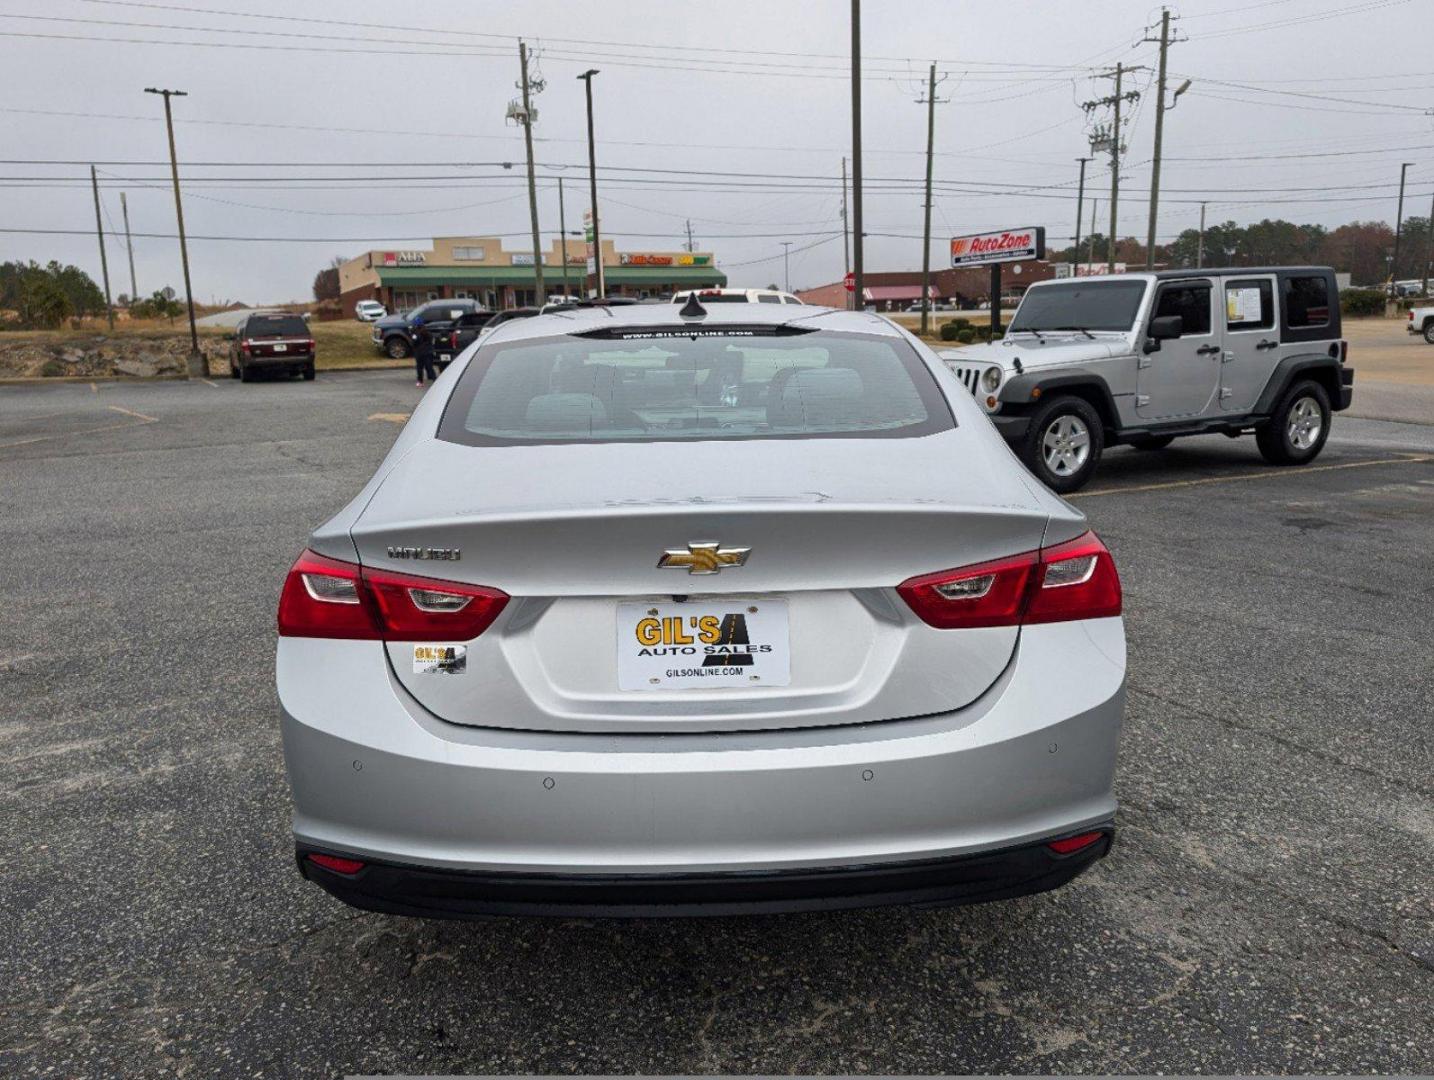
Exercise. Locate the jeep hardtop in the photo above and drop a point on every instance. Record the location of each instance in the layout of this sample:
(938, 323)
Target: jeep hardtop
(1141, 359)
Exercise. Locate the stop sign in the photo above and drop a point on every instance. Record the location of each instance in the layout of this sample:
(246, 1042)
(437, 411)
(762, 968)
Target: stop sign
(850, 282)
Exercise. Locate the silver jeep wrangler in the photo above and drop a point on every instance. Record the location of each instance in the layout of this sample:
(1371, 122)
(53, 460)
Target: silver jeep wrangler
(1140, 359)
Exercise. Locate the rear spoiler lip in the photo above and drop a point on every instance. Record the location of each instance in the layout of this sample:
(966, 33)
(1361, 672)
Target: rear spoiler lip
(691, 330)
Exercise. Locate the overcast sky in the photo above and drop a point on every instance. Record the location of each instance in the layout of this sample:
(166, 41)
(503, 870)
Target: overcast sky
(1331, 97)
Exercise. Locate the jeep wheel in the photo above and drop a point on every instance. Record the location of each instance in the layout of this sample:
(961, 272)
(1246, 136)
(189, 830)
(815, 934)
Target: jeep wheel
(1064, 443)
(1429, 331)
(397, 347)
(1295, 434)
(1152, 442)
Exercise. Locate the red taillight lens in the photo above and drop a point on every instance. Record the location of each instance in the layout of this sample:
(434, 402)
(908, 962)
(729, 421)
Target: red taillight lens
(336, 864)
(245, 346)
(1070, 844)
(453, 340)
(1411, 314)
(312, 344)
(326, 598)
(1074, 580)
(423, 609)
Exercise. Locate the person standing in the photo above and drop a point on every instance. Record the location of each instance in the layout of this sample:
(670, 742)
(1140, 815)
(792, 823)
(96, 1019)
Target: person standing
(423, 353)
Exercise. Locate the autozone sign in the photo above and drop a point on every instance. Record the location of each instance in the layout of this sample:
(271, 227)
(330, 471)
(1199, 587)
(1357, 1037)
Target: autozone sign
(1007, 245)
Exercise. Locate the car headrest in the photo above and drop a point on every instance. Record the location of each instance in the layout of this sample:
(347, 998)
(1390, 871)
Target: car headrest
(566, 412)
(816, 397)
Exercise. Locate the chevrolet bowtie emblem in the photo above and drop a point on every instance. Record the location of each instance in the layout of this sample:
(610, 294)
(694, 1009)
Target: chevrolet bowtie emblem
(707, 557)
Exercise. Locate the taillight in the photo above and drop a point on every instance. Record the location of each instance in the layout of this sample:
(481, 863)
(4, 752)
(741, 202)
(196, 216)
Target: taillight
(245, 346)
(327, 598)
(453, 340)
(1411, 314)
(1074, 580)
(312, 344)
(336, 863)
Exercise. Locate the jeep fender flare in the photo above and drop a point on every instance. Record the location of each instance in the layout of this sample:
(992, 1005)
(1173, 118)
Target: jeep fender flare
(1076, 382)
(1321, 367)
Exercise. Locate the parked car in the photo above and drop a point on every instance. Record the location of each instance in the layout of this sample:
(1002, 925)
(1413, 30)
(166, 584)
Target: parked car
(369, 311)
(587, 643)
(394, 335)
(736, 296)
(276, 342)
(1142, 359)
(1421, 322)
(462, 332)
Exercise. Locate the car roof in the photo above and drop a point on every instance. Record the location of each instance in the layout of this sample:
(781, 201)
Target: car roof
(666, 316)
(1189, 272)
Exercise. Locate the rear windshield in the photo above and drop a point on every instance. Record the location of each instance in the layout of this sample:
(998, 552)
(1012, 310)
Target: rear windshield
(654, 388)
(276, 326)
(1095, 305)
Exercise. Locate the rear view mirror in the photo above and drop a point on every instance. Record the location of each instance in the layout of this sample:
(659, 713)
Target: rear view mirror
(1167, 327)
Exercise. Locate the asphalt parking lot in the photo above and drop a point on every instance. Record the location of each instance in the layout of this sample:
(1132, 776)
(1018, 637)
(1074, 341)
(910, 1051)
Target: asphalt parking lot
(1269, 904)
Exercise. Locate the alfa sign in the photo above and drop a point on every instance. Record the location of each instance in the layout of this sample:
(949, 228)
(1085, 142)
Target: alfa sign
(1007, 245)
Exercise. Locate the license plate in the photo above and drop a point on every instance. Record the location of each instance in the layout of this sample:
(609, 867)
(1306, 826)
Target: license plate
(703, 644)
(281, 348)
(446, 358)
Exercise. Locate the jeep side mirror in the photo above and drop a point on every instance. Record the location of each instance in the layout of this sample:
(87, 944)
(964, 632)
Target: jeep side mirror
(1167, 327)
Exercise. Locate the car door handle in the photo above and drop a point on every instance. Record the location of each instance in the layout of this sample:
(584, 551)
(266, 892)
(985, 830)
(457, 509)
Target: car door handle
(1267, 344)
(1206, 350)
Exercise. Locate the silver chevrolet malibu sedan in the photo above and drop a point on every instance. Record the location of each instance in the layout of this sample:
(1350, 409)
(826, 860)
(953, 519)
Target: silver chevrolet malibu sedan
(661, 611)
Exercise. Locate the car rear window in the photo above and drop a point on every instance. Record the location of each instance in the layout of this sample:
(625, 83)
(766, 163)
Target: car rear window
(276, 326)
(672, 384)
(1307, 301)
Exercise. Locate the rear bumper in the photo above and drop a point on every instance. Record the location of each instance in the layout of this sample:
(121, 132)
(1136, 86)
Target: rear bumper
(287, 360)
(434, 892)
(1346, 388)
(376, 777)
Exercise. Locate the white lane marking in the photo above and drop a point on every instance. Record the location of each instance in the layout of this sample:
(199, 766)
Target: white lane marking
(206, 382)
(131, 412)
(1405, 459)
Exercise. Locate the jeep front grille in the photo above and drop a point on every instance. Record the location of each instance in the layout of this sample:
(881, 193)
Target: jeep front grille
(970, 377)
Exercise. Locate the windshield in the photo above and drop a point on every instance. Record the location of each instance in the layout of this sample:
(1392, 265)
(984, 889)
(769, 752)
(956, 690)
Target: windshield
(1093, 305)
(671, 384)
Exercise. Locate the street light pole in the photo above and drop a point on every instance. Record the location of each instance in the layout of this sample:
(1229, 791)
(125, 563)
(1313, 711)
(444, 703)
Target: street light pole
(587, 78)
(198, 364)
(786, 269)
(563, 239)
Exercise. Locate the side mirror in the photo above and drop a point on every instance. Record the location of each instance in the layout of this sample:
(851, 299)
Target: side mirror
(1167, 327)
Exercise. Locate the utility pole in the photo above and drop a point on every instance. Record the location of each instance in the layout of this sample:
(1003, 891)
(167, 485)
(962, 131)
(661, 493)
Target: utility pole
(845, 226)
(691, 247)
(786, 269)
(198, 363)
(1200, 247)
(1090, 256)
(104, 262)
(930, 103)
(563, 239)
(587, 78)
(1160, 110)
(857, 268)
(526, 119)
(1110, 140)
(1428, 248)
(129, 247)
(1080, 200)
(1398, 225)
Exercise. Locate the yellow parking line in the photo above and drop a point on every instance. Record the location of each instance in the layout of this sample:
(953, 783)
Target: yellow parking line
(1403, 459)
(391, 417)
(131, 412)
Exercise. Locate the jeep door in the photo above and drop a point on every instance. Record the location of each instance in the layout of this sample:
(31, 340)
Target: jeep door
(1180, 377)
(1252, 340)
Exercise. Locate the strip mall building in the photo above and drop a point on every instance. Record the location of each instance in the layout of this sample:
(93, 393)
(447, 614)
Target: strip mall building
(479, 267)
(966, 286)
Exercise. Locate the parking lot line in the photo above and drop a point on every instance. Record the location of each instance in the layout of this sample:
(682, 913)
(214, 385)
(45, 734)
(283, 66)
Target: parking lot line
(1403, 459)
(131, 412)
(391, 417)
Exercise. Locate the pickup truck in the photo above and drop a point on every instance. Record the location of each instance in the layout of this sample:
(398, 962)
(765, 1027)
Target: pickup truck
(1421, 322)
(394, 335)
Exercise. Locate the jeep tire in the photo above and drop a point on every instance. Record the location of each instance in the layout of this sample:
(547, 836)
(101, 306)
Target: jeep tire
(1297, 430)
(396, 347)
(1064, 443)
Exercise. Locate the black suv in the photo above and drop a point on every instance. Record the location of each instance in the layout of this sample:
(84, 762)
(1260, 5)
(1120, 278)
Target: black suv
(394, 335)
(274, 341)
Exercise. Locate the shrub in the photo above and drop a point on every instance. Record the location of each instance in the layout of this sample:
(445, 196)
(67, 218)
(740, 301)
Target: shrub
(961, 324)
(1357, 302)
(965, 335)
(997, 335)
(948, 331)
